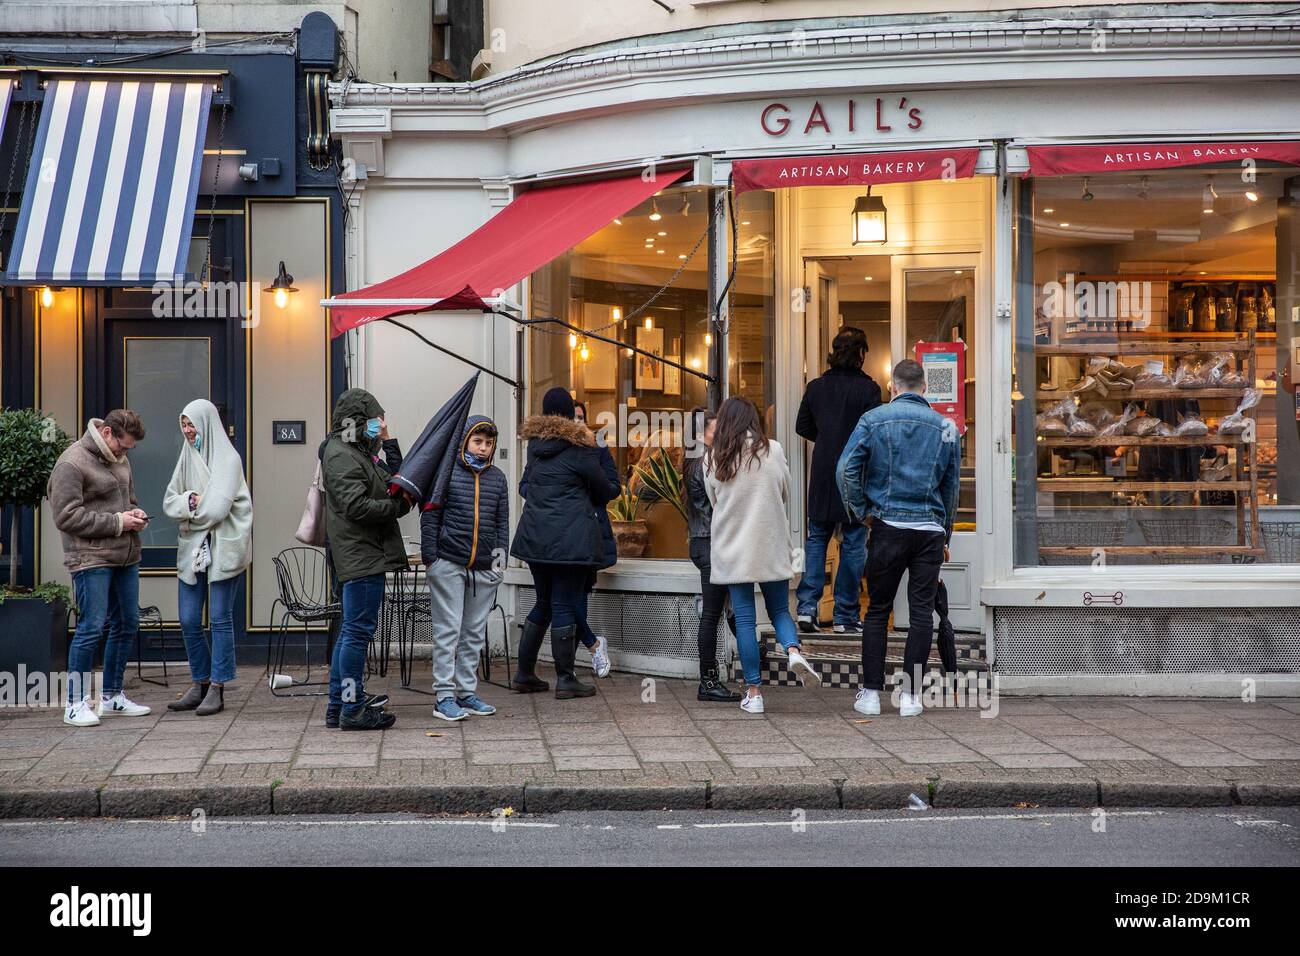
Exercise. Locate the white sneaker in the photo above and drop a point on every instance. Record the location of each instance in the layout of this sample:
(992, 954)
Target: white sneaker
(799, 663)
(751, 705)
(909, 706)
(120, 706)
(867, 702)
(80, 714)
(600, 657)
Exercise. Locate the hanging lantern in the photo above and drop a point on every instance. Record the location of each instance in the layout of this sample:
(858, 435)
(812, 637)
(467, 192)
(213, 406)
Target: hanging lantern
(282, 287)
(870, 220)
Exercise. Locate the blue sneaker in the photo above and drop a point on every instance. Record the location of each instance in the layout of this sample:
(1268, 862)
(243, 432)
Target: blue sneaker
(476, 705)
(448, 709)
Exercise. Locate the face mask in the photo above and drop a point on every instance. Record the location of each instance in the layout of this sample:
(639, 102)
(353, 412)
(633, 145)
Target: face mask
(198, 442)
(373, 428)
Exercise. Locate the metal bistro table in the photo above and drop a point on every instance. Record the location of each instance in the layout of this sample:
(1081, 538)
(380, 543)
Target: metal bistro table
(400, 595)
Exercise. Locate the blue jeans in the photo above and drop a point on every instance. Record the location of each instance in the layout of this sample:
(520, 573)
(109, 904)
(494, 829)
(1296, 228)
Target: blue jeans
(218, 665)
(361, 600)
(848, 577)
(776, 597)
(104, 595)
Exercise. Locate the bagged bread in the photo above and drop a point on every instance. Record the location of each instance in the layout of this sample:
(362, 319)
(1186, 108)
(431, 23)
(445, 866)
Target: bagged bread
(1055, 422)
(1239, 421)
(1220, 365)
(1191, 425)
(1116, 428)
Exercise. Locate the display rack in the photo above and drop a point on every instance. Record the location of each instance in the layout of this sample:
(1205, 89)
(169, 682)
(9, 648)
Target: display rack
(1245, 478)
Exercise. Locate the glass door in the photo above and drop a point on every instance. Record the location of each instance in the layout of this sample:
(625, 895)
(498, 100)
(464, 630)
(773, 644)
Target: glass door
(934, 303)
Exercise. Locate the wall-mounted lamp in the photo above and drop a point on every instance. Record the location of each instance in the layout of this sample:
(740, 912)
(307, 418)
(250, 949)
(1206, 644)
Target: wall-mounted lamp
(282, 287)
(870, 220)
(47, 297)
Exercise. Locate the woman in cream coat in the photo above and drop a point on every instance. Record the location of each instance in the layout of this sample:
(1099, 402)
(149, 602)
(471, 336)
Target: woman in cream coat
(748, 484)
(208, 498)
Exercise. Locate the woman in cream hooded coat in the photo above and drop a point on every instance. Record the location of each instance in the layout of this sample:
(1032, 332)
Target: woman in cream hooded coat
(208, 498)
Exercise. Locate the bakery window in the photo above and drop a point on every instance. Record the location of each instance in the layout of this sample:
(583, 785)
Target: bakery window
(1155, 412)
(641, 281)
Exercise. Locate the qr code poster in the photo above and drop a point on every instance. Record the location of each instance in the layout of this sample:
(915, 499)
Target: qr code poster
(944, 364)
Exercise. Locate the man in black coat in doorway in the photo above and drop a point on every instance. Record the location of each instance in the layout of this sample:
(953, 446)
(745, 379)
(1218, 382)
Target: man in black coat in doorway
(831, 407)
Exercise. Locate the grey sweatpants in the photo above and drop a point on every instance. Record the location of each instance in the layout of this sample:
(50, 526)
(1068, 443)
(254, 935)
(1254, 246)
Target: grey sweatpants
(459, 603)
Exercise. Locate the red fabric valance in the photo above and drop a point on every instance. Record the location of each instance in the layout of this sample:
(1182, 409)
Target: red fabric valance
(854, 169)
(1068, 160)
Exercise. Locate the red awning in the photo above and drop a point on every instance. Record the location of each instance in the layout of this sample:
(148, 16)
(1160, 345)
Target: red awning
(854, 169)
(540, 225)
(1065, 160)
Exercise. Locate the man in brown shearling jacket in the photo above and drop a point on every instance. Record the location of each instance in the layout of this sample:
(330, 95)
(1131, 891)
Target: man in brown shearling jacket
(92, 496)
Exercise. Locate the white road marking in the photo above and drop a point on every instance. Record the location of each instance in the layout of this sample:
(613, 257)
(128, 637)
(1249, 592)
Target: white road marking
(929, 819)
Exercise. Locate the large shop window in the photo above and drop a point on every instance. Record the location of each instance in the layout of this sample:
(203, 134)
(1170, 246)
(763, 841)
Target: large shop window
(1155, 411)
(639, 406)
(751, 338)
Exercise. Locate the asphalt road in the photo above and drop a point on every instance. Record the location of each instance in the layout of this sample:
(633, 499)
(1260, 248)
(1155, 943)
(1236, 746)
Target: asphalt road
(1154, 837)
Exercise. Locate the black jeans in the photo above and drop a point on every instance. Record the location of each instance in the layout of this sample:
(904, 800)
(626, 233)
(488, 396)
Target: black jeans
(891, 552)
(714, 602)
(561, 595)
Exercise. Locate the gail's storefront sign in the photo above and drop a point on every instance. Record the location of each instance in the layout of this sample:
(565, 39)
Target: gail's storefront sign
(880, 114)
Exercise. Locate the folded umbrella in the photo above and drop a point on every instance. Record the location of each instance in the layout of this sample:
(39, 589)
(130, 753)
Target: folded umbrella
(947, 633)
(426, 469)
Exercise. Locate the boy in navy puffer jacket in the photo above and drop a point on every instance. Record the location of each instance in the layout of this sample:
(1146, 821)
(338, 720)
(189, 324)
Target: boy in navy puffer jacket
(464, 545)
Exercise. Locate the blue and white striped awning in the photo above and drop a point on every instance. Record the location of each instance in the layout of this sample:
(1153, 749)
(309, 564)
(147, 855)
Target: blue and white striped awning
(112, 183)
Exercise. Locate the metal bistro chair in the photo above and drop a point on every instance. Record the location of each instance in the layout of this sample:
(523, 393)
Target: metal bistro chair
(306, 594)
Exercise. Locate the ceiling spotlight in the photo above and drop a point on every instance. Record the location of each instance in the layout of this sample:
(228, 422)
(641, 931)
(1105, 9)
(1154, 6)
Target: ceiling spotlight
(662, 233)
(660, 251)
(617, 221)
(744, 222)
(681, 255)
(655, 214)
(868, 278)
(1208, 196)
(1086, 196)
(1252, 195)
(686, 204)
(1048, 211)
(1065, 225)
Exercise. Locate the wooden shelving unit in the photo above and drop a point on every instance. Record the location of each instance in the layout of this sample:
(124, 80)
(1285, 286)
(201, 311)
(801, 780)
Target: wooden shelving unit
(1244, 484)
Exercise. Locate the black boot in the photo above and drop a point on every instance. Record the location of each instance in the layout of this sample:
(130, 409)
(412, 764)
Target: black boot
(191, 698)
(713, 690)
(564, 645)
(530, 642)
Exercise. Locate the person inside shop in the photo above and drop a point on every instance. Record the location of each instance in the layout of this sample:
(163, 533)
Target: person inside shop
(460, 543)
(901, 467)
(565, 486)
(208, 499)
(365, 544)
(92, 498)
(748, 484)
(831, 407)
(713, 597)
(1171, 463)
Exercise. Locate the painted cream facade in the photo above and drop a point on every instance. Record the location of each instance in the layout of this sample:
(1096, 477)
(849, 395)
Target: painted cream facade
(437, 160)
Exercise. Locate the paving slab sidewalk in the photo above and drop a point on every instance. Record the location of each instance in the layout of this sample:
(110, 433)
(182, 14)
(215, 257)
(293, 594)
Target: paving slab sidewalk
(640, 746)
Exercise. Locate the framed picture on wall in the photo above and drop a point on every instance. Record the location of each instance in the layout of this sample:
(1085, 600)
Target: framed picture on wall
(672, 376)
(650, 371)
(600, 371)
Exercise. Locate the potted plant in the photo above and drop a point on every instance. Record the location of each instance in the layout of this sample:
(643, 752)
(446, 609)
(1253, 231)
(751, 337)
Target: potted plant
(664, 481)
(631, 533)
(33, 621)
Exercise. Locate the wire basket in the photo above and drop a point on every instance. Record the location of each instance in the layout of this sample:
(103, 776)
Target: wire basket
(1281, 540)
(1189, 532)
(1079, 532)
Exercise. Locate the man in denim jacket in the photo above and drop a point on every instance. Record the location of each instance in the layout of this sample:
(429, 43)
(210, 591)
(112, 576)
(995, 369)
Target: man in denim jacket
(901, 467)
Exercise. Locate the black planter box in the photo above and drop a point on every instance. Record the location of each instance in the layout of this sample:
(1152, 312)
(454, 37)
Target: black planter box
(34, 634)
